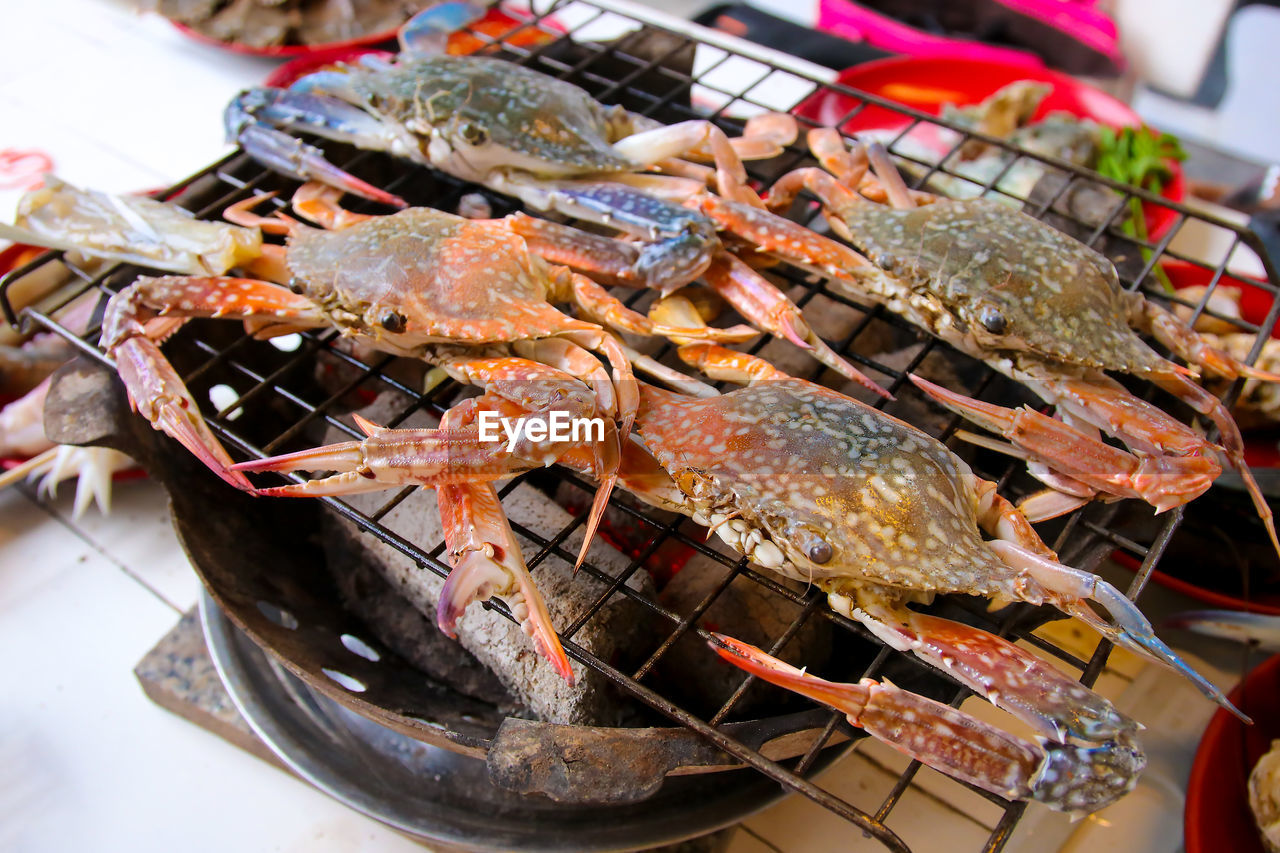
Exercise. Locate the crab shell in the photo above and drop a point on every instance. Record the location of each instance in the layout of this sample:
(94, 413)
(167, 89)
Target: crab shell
(420, 276)
(471, 115)
(996, 279)
(821, 488)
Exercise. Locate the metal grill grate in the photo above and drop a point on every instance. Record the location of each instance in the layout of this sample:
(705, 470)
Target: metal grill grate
(696, 73)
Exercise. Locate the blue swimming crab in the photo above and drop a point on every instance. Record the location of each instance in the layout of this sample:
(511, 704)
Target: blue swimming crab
(1039, 307)
(468, 296)
(551, 145)
(818, 487)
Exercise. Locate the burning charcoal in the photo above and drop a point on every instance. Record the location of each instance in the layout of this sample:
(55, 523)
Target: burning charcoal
(619, 630)
(744, 610)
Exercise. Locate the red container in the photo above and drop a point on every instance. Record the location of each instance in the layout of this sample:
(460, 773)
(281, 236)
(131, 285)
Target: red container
(928, 85)
(1217, 815)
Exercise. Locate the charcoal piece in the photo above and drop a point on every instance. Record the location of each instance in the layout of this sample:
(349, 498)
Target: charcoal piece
(619, 632)
(744, 610)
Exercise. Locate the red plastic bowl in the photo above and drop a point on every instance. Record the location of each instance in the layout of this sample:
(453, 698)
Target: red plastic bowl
(928, 85)
(1217, 815)
(285, 75)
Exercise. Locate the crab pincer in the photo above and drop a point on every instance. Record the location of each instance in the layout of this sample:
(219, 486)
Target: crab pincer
(1081, 463)
(1064, 776)
(487, 563)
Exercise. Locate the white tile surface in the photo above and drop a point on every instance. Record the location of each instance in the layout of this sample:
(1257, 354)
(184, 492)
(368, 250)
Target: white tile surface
(86, 761)
(137, 537)
(120, 101)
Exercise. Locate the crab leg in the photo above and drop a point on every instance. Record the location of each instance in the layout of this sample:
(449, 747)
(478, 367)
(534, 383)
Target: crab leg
(1162, 481)
(608, 310)
(1232, 442)
(1066, 777)
(846, 182)
(1068, 589)
(486, 563)
(768, 308)
(134, 322)
(752, 295)
(460, 452)
(677, 242)
(527, 384)
(1187, 343)
(779, 236)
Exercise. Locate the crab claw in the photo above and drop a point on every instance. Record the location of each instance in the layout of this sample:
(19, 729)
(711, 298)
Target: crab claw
(1126, 626)
(486, 563)
(157, 393)
(387, 458)
(1235, 625)
(849, 698)
(1162, 481)
(1068, 777)
(246, 121)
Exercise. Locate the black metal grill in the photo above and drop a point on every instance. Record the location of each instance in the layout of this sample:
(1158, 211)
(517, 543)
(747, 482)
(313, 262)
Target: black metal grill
(659, 86)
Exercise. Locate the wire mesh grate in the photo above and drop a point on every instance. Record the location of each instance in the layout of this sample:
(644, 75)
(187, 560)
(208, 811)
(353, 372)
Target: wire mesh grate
(693, 73)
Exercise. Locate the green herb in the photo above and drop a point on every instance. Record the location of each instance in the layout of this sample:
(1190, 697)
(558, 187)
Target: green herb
(1139, 157)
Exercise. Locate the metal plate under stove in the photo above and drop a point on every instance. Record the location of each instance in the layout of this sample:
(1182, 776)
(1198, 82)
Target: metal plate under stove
(693, 73)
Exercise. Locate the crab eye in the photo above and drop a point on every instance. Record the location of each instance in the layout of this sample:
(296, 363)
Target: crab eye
(394, 321)
(819, 552)
(992, 320)
(473, 133)
(816, 549)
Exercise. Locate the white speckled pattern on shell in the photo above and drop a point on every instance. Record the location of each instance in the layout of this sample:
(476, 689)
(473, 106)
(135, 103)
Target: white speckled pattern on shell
(552, 127)
(800, 461)
(450, 278)
(1055, 296)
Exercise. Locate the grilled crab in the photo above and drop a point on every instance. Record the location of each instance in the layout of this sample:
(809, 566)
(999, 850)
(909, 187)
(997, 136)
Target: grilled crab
(816, 486)
(468, 296)
(1038, 307)
(548, 143)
